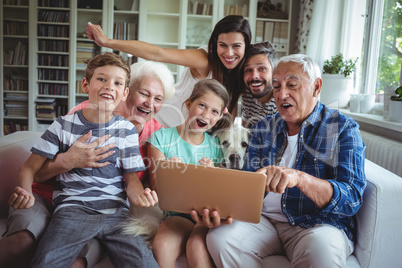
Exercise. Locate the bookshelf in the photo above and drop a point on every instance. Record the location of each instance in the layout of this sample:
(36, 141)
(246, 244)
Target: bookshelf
(273, 25)
(83, 48)
(15, 43)
(49, 37)
(52, 64)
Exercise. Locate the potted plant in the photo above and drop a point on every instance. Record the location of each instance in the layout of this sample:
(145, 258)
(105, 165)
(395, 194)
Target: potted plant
(337, 83)
(395, 105)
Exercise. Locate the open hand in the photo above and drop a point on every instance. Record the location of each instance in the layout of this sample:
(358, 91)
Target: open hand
(82, 155)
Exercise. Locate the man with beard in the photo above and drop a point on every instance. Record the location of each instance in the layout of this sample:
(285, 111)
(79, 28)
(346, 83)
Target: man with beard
(258, 101)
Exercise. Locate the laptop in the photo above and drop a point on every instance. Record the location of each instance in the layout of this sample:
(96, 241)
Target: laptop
(233, 193)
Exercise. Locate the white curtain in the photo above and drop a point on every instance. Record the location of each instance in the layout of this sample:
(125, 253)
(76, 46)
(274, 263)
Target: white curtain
(336, 26)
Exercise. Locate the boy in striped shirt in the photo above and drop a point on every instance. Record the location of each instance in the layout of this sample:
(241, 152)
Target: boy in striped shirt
(91, 202)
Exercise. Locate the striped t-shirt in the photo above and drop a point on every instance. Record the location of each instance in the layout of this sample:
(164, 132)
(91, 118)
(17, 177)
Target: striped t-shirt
(253, 110)
(98, 189)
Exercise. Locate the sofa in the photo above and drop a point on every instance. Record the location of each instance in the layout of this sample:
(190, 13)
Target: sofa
(379, 239)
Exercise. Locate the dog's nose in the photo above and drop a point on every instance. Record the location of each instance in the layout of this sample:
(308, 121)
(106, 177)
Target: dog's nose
(234, 160)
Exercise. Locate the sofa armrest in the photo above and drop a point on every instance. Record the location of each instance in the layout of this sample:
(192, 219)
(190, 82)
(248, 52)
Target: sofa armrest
(378, 221)
(14, 150)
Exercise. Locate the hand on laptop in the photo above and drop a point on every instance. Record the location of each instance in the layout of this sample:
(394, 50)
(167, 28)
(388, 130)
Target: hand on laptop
(280, 178)
(205, 161)
(208, 221)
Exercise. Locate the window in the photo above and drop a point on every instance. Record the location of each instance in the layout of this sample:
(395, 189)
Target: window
(382, 49)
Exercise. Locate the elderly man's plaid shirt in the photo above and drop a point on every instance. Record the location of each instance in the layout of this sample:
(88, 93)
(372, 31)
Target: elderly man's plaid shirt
(329, 147)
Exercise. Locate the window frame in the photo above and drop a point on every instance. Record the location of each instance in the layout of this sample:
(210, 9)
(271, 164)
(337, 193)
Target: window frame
(372, 44)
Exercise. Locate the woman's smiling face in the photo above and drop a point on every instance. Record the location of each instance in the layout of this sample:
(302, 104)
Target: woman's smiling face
(231, 49)
(144, 101)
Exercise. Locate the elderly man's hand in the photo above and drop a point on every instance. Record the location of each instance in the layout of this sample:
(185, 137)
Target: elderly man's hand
(208, 221)
(280, 178)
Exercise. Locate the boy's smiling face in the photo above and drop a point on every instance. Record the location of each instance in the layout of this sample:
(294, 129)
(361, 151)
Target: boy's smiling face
(107, 88)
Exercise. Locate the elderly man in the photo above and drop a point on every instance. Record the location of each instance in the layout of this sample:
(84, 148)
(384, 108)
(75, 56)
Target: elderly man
(258, 101)
(313, 158)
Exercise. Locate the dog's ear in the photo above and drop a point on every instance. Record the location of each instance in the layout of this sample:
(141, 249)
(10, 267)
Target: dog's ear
(248, 132)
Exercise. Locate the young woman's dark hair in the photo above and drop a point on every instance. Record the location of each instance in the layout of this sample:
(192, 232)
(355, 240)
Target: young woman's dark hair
(231, 79)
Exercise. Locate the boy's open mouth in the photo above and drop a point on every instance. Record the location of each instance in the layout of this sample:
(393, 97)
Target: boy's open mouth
(107, 96)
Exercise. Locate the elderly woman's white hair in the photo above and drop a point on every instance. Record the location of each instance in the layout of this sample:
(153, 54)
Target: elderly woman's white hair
(154, 70)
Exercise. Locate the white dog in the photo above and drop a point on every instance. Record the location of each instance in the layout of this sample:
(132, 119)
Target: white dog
(145, 221)
(234, 142)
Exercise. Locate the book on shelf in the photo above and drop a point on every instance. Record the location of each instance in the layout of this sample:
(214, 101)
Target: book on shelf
(135, 5)
(53, 89)
(85, 51)
(78, 87)
(16, 83)
(16, 2)
(259, 31)
(16, 56)
(16, 97)
(53, 16)
(46, 108)
(280, 37)
(236, 9)
(54, 3)
(15, 28)
(197, 8)
(53, 31)
(55, 75)
(125, 30)
(269, 31)
(283, 40)
(53, 45)
(16, 108)
(11, 127)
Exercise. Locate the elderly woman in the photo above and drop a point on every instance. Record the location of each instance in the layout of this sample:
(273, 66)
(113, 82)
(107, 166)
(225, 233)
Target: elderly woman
(150, 84)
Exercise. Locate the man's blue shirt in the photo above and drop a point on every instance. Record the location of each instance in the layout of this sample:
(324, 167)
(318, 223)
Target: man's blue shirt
(329, 147)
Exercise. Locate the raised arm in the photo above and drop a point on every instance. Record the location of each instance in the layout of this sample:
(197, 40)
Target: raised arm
(195, 59)
(79, 155)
